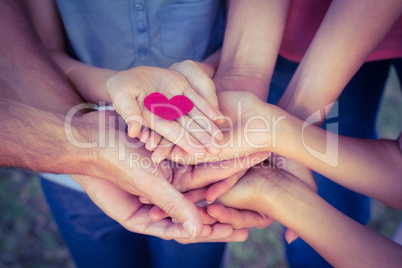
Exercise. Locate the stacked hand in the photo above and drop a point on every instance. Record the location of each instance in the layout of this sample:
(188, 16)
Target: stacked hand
(128, 89)
(127, 173)
(131, 183)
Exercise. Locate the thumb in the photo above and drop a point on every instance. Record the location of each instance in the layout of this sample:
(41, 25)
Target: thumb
(126, 106)
(290, 236)
(173, 203)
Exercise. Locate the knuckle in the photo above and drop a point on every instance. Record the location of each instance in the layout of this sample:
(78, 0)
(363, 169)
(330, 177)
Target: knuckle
(175, 129)
(172, 207)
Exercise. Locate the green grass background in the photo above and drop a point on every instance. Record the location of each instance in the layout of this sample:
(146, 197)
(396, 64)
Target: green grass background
(29, 236)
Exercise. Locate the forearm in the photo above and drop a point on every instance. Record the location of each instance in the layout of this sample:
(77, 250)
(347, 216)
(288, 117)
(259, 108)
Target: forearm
(252, 39)
(36, 140)
(340, 240)
(88, 80)
(28, 74)
(348, 34)
(371, 167)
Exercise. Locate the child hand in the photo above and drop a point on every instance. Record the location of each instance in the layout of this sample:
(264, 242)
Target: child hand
(198, 76)
(250, 127)
(128, 89)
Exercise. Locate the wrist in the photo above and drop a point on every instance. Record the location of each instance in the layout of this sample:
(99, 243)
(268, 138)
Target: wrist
(83, 138)
(247, 81)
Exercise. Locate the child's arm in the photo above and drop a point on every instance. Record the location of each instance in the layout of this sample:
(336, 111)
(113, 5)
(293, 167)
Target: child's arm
(371, 167)
(340, 240)
(253, 35)
(127, 89)
(348, 34)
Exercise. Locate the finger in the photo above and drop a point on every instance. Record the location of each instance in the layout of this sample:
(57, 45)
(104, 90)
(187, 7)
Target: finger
(127, 106)
(156, 213)
(221, 187)
(198, 80)
(173, 131)
(220, 233)
(153, 141)
(239, 218)
(290, 236)
(144, 135)
(144, 200)
(202, 105)
(199, 134)
(162, 151)
(206, 124)
(206, 218)
(164, 195)
(208, 173)
(106, 195)
(177, 153)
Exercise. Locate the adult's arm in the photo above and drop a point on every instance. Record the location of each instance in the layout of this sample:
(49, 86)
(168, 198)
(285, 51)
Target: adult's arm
(36, 139)
(27, 73)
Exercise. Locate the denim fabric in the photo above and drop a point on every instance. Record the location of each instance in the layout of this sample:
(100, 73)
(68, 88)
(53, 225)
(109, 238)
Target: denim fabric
(95, 240)
(119, 35)
(357, 110)
(122, 34)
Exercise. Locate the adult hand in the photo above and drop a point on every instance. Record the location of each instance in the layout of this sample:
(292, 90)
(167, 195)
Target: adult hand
(186, 178)
(127, 210)
(124, 162)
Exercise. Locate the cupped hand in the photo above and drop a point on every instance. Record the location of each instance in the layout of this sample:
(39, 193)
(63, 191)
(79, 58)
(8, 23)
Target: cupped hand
(193, 132)
(198, 75)
(125, 163)
(127, 210)
(250, 127)
(259, 192)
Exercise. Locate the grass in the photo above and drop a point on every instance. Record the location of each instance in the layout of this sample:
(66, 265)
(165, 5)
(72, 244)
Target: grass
(29, 236)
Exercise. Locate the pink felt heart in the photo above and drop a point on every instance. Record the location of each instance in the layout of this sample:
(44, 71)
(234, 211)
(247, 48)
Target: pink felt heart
(171, 109)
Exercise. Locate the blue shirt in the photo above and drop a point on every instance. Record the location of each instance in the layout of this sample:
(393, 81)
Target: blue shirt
(122, 34)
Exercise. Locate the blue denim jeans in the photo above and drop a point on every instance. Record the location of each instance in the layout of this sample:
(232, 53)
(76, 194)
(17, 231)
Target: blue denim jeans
(95, 240)
(357, 110)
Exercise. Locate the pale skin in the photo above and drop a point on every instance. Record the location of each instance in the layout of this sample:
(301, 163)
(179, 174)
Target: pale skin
(360, 163)
(337, 238)
(350, 31)
(34, 137)
(348, 34)
(127, 89)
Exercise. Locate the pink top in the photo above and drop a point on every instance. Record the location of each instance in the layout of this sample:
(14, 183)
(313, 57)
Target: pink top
(303, 21)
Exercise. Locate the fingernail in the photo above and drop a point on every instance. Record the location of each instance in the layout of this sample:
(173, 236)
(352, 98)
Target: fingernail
(210, 202)
(292, 238)
(219, 136)
(190, 228)
(212, 215)
(144, 200)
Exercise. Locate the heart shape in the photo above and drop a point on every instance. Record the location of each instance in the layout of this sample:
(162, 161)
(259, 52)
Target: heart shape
(171, 109)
